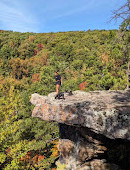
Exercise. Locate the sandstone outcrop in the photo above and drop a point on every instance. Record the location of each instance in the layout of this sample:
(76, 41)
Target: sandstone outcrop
(93, 126)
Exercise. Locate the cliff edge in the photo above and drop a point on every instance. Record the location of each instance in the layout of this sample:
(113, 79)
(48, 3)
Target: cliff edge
(94, 128)
(105, 112)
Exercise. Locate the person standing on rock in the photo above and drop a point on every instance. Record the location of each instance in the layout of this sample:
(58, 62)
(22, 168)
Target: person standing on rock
(58, 84)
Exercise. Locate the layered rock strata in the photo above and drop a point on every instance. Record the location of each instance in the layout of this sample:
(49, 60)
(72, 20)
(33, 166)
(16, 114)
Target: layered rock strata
(94, 127)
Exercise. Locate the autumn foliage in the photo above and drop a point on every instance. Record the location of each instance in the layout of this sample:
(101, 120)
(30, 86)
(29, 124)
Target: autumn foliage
(104, 58)
(87, 60)
(40, 47)
(35, 77)
(82, 86)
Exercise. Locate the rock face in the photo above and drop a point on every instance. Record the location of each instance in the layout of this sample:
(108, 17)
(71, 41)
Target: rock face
(94, 126)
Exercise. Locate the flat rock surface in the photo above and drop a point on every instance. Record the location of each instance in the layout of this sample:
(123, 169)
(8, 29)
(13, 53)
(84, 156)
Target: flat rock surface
(104, 112)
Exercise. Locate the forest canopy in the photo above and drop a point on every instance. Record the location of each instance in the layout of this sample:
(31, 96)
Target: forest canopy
(87, 60)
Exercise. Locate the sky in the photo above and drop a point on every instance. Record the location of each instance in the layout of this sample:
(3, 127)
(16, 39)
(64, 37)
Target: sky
(42, 16)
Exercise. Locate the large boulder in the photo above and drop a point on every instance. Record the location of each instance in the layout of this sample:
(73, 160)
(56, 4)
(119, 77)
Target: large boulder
(104, 112)
(94, 128)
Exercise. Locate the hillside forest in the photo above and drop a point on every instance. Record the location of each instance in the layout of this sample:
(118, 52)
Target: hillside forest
(86, 60)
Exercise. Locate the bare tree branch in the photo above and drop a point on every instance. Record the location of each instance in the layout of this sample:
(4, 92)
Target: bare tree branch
(123, 12)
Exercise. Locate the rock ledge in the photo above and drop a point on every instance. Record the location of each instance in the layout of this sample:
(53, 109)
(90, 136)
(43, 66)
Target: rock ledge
(104, 112)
